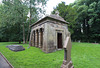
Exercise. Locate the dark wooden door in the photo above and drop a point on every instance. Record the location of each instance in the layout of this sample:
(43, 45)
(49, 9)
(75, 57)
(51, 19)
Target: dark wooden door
(59, 38)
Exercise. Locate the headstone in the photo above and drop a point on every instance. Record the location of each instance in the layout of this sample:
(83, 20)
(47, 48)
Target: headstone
(67, 63)
(15, 48)
(4, 62)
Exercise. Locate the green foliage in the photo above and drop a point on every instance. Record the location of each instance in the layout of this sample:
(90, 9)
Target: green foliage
(87, 21)
(13, 14)
(83, 17)
(68, 13)
(83, 55)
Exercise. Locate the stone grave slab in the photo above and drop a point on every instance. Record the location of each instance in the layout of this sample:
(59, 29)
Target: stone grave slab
(15, 48)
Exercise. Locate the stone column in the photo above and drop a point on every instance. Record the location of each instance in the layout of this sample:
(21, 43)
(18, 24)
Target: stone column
(30, 41)
(43, 41)
(42, 38)
(39, 38)
(35, 38)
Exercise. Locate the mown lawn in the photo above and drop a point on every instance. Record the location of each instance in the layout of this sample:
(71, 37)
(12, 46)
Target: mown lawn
(84, 55)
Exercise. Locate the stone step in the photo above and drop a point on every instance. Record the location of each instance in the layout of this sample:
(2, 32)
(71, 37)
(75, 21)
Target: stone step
(72, 66)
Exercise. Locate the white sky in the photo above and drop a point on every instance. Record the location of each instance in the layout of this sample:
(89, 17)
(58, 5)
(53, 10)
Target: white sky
(52, 3)
(0, 1)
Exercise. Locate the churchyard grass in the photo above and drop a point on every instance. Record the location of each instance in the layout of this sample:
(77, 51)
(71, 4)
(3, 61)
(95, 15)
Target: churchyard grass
(84, 55)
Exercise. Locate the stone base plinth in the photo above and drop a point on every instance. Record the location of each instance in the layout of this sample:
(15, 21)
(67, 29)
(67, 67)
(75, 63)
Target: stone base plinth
(67, 65)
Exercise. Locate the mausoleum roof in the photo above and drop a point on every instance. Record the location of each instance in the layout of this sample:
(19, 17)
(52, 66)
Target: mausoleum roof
(57, 17)
(52, 16)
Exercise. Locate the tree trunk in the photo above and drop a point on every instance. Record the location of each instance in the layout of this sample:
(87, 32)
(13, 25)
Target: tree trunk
(19, 42)
(29, 23)
(28, 34)
(23, 34)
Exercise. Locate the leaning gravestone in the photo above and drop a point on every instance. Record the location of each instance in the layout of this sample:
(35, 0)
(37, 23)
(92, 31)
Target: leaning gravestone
(15, 48)
(67, 63)
(4, 62)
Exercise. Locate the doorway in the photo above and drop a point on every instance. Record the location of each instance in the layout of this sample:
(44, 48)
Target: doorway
(59, 40)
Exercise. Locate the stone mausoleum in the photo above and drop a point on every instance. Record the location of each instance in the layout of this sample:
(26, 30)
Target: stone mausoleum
(49, 33)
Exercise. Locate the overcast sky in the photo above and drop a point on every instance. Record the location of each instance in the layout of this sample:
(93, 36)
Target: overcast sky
(52, 3)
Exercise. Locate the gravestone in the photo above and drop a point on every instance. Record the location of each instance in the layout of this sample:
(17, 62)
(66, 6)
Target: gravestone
(15, 48)
(67, 63)
(4, 62)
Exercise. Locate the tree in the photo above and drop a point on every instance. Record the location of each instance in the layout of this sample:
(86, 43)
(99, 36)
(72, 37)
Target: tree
(94, 11)
(87, 20)
(68, 13)
(34, 10)
(84, 19)
(15, 15)
(14, 23)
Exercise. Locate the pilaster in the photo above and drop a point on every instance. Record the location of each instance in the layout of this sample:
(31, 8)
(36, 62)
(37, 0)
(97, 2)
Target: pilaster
(35, 38)
(39, 38)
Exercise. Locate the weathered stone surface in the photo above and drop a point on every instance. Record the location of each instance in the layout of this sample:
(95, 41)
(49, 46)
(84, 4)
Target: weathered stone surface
(4, 62)
(67, 63)
(15, 48)
(49, 33)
